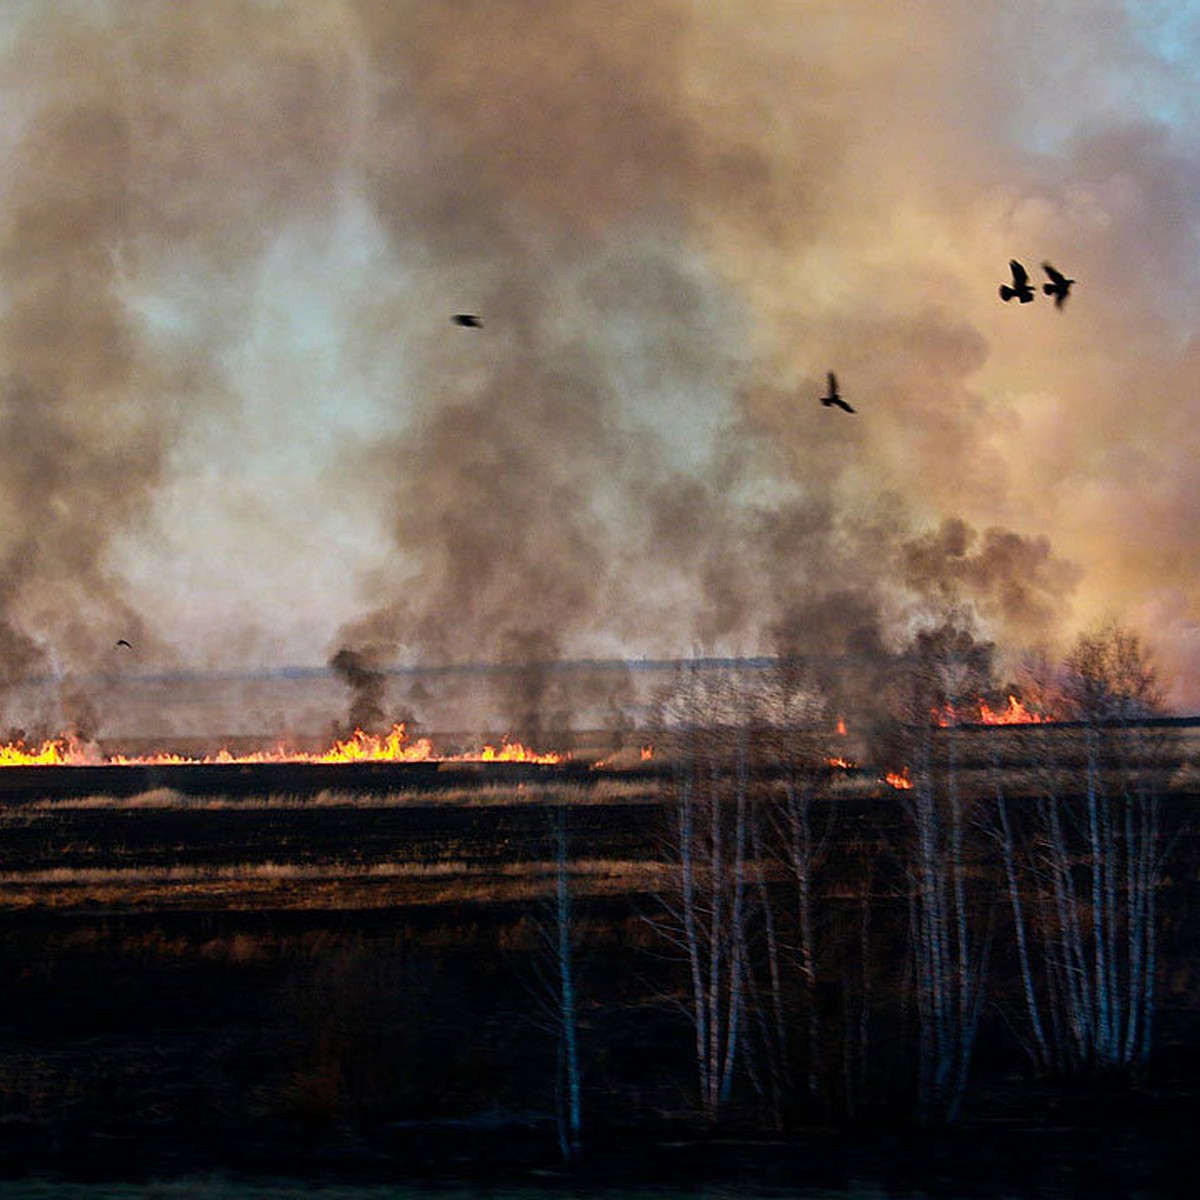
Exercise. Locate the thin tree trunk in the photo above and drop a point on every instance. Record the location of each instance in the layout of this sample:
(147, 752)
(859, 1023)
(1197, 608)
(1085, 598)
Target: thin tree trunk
(1014, 893)
(566, 973)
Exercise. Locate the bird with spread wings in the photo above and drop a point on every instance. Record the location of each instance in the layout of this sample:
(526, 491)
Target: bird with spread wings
(1019, 289)
(1059, 286)
(834, 398)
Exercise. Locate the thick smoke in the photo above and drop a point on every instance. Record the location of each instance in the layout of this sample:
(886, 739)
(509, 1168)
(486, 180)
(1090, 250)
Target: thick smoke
(368, 689)
(238, 421)
(80, 448)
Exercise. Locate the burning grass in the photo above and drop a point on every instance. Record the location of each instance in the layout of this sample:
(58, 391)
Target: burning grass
(395, 746)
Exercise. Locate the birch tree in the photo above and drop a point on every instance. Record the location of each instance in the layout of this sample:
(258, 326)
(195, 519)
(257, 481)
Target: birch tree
(720, 916)
(1090, 861)
(950, 668)
(556, 990)
(790, 832)
(707, 916)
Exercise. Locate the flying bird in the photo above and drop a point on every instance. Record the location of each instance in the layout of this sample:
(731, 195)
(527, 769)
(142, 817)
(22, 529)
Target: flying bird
(834, 398)
(123, 642)
(1019, 289)
(1058, 287)
(467, 320)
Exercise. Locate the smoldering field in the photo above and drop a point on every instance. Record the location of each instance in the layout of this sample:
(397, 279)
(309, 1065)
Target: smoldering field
(356, 984)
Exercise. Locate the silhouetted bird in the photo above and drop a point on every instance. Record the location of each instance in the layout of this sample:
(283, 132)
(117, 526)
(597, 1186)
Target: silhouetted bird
(834, 399)
(1020, 288)
(123, 642)
(467, 320)
(1058, 287)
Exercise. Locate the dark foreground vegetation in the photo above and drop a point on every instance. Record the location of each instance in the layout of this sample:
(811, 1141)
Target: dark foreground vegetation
(373, 987)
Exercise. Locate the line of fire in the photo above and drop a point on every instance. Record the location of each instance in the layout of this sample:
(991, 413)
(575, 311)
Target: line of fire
(869, 755)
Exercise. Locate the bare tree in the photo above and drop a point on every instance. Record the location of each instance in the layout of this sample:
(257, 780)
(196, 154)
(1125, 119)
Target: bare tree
(712, 726)
(709, 919)
(570, 1106)
(748, 756)
(1109, 675)
(1089, 860)
(790, 832)
(555, 989)
(950, 668)
(804, 838)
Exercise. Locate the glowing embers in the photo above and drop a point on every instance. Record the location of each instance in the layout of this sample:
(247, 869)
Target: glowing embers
(393, 746)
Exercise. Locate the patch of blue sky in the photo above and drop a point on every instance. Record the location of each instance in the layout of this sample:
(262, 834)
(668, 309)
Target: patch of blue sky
(1167, 32)
(1086, 64)
(1168, 29)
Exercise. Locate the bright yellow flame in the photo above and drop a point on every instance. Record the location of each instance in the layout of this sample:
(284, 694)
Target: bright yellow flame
(509, 752)
(393, 746)
(54, 752)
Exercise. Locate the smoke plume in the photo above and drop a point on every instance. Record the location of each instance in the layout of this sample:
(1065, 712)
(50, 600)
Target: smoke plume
(368, 689)
(237, 420)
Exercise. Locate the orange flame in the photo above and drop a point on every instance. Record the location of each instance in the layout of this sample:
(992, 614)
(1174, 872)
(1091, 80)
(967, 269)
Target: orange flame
(393, 746)
(843, 764)
(1013, 713)
(841, 726)
(647, 753)
(898, 779)
(509, 752)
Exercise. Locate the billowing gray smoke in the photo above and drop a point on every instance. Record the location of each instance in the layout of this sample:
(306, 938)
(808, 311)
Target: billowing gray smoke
(238, 427)
(81, 447)
(368, 690)
(604, 466)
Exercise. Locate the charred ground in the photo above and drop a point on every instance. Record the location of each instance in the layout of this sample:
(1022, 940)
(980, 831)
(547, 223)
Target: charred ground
(348, 983)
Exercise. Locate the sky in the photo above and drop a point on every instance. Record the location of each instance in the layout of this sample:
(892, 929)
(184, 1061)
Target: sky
(239, 429)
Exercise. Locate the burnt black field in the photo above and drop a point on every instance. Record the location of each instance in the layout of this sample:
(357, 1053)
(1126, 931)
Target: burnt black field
(347, 984)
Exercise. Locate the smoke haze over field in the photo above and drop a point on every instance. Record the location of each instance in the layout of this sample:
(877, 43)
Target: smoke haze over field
(240, 429)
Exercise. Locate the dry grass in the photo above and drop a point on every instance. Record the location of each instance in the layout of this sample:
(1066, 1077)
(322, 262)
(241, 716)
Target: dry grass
(314, 886)
(108, 876)
(602, 791)
(244, 872)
